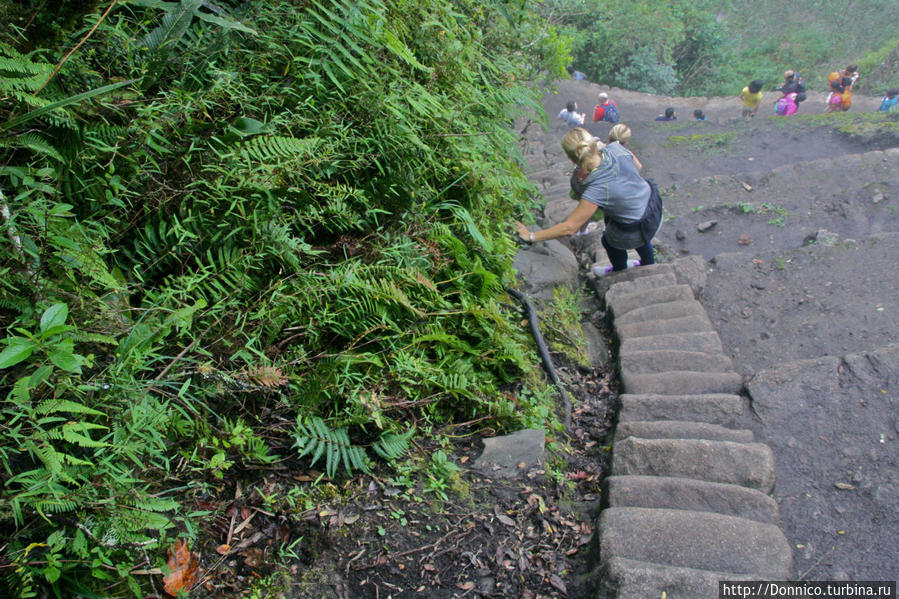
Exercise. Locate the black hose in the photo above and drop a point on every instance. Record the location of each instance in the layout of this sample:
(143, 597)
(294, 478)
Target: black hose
(544, 351)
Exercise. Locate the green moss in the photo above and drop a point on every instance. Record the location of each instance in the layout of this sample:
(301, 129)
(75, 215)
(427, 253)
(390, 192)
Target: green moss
(701, 142)
(561, 326)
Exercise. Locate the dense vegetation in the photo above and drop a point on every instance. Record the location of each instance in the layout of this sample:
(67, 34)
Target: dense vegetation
(249, 231)
(238, 232)
(715, 47)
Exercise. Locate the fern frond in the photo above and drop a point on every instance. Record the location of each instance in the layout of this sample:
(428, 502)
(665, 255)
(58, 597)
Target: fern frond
(53, 406)
(393, 445)
(273, 147)
(314, 436)
(174, 26)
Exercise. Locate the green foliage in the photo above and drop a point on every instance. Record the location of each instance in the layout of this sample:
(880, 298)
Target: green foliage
(301, 205)
(314, 438)
(715, 47)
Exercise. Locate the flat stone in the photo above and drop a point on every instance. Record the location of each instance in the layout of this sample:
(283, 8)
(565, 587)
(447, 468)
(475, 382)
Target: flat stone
(707, 342)
(664, 311)
(631, 275)
(746, 464)
(680, 382)
(718, 408)
(666, 360)
(681, 429)
(619, 578)
(621, 302)
(699, 540)
(698, 323)
(688, 494)
(512, 456)
(545, 266)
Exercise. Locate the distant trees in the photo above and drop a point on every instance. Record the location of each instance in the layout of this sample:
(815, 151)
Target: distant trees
(712, 47)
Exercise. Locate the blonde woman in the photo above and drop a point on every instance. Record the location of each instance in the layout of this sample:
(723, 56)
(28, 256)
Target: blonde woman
(608, 178)
(622, 134)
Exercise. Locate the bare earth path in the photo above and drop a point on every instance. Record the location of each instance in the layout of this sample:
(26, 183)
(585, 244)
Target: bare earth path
(790, 228)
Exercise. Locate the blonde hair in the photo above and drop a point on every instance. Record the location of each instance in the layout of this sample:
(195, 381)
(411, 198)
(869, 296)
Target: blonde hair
(620, 133)
(580, 145)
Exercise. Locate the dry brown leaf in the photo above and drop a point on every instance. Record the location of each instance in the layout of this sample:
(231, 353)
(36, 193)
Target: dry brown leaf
(266, 376)
(845, 486)
(465, 586)
(254, 557)
(183, 569)
(223, 549)
(557, 583)
(505, 519)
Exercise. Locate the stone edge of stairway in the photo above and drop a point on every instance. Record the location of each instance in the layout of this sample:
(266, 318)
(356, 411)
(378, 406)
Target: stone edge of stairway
(666, 408)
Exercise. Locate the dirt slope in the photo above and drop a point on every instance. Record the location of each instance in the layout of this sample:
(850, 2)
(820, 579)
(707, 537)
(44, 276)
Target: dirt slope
(797, 220)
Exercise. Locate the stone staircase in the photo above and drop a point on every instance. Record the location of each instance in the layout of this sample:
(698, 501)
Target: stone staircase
(687, 501)
(800, 263)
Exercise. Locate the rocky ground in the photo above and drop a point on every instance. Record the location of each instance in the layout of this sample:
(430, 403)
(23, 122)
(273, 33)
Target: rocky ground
(794, 220)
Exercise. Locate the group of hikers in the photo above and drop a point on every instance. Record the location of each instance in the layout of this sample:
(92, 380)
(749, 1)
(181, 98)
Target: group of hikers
(608, 177)
(792, 92)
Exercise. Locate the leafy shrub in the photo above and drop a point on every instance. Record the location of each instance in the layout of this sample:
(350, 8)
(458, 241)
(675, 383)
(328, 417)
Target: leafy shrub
(301, 206)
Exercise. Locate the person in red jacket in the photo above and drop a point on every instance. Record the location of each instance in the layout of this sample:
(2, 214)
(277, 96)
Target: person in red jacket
(602, 113)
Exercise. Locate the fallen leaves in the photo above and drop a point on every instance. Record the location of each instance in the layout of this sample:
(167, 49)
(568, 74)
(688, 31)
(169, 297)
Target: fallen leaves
(183, 569)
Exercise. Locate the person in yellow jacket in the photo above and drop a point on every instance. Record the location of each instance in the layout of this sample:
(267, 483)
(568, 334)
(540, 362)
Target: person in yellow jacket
(751, 97)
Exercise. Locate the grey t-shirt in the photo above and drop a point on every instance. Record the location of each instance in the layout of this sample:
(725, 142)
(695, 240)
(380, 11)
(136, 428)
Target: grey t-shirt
(615, 185)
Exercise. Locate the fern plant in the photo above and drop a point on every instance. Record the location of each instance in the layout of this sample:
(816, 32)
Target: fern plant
(314, 438)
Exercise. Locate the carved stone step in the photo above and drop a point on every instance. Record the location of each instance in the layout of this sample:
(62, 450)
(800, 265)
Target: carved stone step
(670, 492)
(700, 540)
(681, 429)
(716, 408)
(667, 360)
(746, 464)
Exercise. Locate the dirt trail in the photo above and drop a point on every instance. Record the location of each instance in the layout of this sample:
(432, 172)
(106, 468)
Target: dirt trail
(796, 220)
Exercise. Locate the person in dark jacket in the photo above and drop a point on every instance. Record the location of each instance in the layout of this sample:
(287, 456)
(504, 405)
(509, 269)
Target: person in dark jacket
(669, 115)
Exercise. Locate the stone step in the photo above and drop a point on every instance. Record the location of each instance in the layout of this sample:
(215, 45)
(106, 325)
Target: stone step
(619, 578)
(745, 464)
(707, 342)
(666, 360)
(698, 323)
(680, 382)
(625, 288)
(663, 311)
(622, 302)
(633, 275)
(700, 540)
(681, 429)
(668, 492)
(719, 408)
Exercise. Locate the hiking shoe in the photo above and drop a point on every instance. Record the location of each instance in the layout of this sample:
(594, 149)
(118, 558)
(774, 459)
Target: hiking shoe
(601, 271)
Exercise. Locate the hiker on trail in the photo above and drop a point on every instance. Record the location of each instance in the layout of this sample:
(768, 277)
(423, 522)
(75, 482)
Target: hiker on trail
(669, 115)
(622, 134)
(889, 100)
(751, 97)
(787, 105)
(698, 115)
(851, 72)
(576, 75)
(840, 98)
(606, 110)
(571, 116)
(607, 178)
(791, 84)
